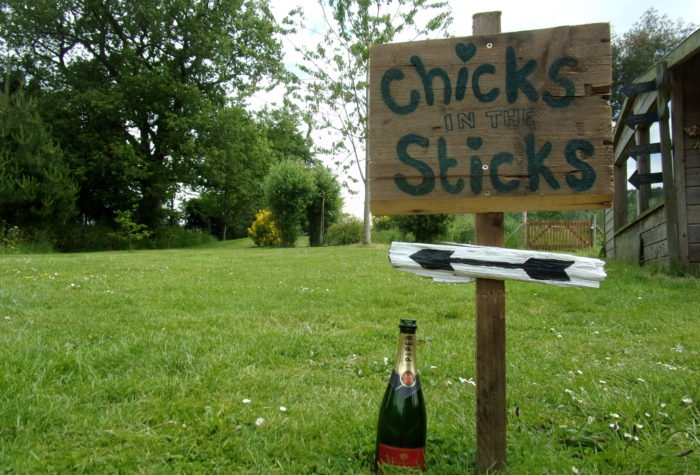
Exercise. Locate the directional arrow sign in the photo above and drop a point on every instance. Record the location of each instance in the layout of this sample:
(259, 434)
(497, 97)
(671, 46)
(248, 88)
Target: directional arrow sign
(631, 90)
(638, 179)
(463, 263)
(643, 149)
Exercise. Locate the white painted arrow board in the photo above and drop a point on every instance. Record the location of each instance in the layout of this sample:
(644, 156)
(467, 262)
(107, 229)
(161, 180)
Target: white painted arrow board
(463, 263)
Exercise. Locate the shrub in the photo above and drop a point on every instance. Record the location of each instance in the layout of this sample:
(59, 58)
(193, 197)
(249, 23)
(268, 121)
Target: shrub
(263, 231)
(10, 237)
(462, 229)
(348, 230)
(289, 190)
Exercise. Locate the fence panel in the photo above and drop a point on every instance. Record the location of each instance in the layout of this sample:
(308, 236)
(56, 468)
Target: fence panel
(557, 235)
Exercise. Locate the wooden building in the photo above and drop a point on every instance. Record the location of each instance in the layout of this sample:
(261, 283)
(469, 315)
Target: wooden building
(659, 127)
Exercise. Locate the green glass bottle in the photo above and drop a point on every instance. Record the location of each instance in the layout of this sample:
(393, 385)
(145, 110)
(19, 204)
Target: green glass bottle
(402, 422)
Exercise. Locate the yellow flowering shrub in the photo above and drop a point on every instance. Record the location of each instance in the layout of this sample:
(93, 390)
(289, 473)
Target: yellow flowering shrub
(263, 231)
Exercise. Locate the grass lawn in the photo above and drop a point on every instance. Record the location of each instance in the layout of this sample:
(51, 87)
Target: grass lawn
(234, 359)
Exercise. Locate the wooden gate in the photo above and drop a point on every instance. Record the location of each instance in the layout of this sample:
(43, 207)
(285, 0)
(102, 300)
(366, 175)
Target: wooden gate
(554, 235)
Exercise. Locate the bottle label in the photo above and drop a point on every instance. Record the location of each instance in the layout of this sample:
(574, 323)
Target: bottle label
(401, 457)
(406, 383)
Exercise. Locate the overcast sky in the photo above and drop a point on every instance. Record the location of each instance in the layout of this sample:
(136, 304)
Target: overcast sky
(517, 15)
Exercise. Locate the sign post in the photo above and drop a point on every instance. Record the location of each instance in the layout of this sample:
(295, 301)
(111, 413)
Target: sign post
(486, 124)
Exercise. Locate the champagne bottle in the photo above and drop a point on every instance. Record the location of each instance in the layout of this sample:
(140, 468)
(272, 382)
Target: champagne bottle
(402, 422)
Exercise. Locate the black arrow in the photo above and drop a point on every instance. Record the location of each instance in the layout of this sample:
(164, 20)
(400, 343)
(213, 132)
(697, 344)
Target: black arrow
(633, 121)
(631, 90)
(644, 149)
(534, 267)
(637, 179)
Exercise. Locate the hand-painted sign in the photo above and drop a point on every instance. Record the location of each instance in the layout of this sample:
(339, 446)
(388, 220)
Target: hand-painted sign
(463, 263)
(509, 122)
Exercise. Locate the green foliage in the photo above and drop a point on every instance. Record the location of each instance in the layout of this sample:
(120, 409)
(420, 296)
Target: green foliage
(127, 229)
(462, 229)
(326, 205)
(650, 39)
(263, 231)
(424, 227)
(130, 87)
(348, 230)
(289, 190)
(335, 90)
(230, 171)
(11, 237)
(37, 193)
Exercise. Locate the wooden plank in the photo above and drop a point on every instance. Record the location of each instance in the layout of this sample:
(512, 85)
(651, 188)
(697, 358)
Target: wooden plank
(490, 322)
(693, 195)
(463, 262)
(634, 89)
(670, 192)
(457, 122)
(694, 214)
(636, 120)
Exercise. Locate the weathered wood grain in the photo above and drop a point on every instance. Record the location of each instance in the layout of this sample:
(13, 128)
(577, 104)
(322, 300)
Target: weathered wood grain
(520, 120)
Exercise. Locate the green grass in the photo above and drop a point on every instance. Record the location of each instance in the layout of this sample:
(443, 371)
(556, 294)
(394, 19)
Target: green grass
(140, 362)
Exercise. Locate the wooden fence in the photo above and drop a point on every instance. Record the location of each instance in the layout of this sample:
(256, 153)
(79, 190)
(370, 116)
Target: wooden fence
(556, 235)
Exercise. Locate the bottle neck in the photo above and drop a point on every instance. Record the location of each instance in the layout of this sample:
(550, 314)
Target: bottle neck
(406, 354)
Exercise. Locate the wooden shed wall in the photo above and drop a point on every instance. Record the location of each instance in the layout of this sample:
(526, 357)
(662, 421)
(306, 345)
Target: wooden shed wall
(645, 240)
(690, 105)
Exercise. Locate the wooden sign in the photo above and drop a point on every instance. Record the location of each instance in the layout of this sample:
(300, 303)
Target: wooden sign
(464, 263)
(503, 122)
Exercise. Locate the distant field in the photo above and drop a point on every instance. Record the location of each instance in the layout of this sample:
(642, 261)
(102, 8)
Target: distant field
(234, 359)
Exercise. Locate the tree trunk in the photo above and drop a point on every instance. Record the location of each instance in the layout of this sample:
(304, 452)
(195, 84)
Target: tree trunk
(367, 237)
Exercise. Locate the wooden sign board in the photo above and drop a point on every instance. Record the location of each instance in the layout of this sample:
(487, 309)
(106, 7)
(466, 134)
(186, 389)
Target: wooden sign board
(508, 122)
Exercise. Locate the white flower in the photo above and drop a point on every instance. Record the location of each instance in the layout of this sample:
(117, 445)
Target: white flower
(687, 400)
(386, 360)
(602, 381)
(259, 421)
(614, 415)
(246, 401)
(575, 471)
(283, 409)
(470, 381)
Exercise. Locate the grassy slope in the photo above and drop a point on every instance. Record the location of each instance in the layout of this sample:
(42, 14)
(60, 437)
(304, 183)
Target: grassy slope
(140, 362)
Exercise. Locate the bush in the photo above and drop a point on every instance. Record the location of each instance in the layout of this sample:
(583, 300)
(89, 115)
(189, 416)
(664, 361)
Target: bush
(10, 237)
(387, 236)
(175, 237)
(348, 230)
(289, 190)
(263, 231)
(462, 229)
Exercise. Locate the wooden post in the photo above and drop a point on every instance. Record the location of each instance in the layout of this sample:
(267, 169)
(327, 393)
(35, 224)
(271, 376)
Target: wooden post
(663, 82)
(490, 326)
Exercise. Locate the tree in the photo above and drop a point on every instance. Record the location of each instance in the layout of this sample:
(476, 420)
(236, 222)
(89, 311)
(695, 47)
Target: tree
(336, 89)
(127, 229)
(126, 84)
(36, 191)
(325, 206)
(289, 190)
(424, 227)
(234, 159)
(650, 39)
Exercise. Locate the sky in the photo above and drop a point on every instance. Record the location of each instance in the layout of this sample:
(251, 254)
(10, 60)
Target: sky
(516, 15)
